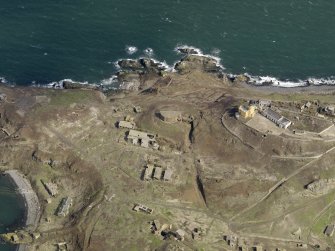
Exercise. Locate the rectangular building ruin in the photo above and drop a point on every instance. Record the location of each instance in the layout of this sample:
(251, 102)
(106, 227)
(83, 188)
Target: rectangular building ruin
(148, 172)
(146, 140)
(64, 206)
(142, 208)
(167, 174)
(329, 231)
(126, 124)
(276, 118)
(51, 188)
(158, 173)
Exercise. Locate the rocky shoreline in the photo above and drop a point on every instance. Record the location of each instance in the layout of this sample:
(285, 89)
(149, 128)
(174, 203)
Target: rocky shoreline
(131, 72)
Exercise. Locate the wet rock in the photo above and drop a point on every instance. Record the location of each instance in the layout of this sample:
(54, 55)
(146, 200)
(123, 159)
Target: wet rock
(225, 78)
(77, 85)
(241, 78)
(188, 51)
(151, 65)
(132, 64)
(141, 66)
(191, 62)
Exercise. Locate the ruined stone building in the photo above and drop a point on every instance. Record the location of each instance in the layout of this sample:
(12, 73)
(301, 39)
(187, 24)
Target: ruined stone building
(276, 118)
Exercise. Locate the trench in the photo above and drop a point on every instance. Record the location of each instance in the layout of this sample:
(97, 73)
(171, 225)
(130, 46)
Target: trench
(191, 133)
(201, 188)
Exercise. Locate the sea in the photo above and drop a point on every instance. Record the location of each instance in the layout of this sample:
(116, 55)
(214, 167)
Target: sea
(286, 43)
(12, 209)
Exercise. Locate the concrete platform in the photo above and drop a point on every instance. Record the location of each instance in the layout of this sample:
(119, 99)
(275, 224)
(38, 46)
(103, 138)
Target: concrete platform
(262, 124)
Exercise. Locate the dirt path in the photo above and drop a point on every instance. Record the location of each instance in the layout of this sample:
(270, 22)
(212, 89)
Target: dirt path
(280, 183)
(236, 136)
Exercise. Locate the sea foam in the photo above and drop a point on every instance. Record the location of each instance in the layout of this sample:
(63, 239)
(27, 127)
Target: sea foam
(272, 81)
(149, 52)
(60, 84)
(199, 52)
(131, 49)
(3, 80)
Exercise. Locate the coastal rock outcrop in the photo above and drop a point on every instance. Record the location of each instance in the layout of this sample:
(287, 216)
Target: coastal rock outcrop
(188, 50)
(192, 62)
(142, 65)
(241, 78)
(129, 81)
(131, 64)
(67, 84)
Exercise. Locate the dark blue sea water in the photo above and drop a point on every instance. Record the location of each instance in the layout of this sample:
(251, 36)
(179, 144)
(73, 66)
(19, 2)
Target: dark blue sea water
(46, 40)
(12, 209)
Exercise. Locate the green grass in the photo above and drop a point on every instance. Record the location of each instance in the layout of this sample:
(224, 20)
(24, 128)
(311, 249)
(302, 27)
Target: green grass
(300, 97)
(155, 241)
(68, 97)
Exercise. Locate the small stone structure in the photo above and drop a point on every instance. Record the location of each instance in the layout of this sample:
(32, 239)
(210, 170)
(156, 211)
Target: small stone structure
(321, 186)
(51, 188)
(326, 110)
(64, 206)
(180, 234)
(330, 110)
(170, 116)
(329, 231)
(197, 234)
(158, 173)
(137, 109)
(257, 248)
(146, 140)
(167, 174)
(156, 227)
(45, 158)
(148, 172)
(260, 104)
(247, 111)
(142, 208)
(230, 240)
(243, 248)
(126, 124)
(61, 246)
(302, 245)
(3, 97)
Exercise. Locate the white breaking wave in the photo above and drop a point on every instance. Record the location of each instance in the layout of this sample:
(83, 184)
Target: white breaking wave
(131, 49)
(3, 80)
(267, 80)
(109, 83)
(321, 81)
(200, 53)
(149, 52)
(60, 84)
(162, 64)
(272, 81)
(215, 51)
(183, 47)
